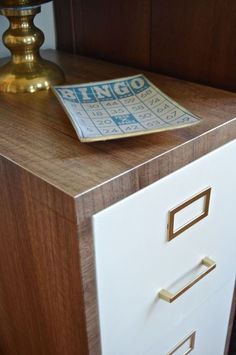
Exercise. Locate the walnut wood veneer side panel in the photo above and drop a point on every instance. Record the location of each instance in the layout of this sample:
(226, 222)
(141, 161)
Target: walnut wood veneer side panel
(195, 40)
(115, 30)
(41, 298)
(113, 191)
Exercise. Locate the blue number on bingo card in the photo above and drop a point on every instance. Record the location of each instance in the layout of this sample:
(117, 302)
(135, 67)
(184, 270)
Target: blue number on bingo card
(124, 119)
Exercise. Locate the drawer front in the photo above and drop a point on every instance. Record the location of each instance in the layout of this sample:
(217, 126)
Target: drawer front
(203, 332)
(135, 260)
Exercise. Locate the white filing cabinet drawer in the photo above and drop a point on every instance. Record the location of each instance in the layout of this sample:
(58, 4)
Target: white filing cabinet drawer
(203, 332)
(135, 260)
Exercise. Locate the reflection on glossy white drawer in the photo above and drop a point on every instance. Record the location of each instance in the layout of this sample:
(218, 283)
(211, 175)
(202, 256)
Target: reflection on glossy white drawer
(208, 325)
(135, 260)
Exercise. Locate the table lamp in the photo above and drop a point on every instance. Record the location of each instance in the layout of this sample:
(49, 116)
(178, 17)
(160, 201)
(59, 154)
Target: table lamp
(26, 71)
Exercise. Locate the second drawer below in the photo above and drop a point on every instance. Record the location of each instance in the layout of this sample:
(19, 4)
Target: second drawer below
(203, 332)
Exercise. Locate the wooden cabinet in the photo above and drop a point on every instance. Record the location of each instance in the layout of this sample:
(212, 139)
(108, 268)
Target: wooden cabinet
(84, 247)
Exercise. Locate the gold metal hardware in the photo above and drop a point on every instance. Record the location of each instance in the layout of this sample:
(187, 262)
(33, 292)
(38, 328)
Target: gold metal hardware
(170, 297)
(26, 71)
(172, 233)
(191, 338)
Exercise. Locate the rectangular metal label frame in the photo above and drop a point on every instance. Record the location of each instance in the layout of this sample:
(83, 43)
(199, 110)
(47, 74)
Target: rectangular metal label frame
(191, 338)
(171, 232)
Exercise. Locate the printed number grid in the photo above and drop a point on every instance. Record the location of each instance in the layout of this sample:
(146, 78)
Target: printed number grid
(123, 107)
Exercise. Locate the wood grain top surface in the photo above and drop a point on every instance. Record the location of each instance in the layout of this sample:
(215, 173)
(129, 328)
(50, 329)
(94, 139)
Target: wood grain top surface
(36, 134)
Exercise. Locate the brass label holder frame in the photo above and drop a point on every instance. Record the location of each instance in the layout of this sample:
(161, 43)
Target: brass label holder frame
(191, 338)
(172, 233)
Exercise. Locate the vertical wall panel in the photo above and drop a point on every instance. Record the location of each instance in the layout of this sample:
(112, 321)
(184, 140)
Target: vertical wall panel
(65, 25)
(116, 30)
(189, 39)
(195, 40)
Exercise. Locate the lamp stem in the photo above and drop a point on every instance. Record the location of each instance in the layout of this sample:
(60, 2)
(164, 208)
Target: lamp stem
(23, 38)
(26, 71)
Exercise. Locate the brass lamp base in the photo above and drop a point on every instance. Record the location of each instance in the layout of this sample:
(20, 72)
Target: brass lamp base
(26, 71)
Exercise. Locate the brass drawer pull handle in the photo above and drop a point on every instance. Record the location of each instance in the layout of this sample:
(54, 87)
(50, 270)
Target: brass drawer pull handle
(170, 297)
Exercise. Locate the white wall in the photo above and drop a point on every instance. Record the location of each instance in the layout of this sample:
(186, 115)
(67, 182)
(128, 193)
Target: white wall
(44, 20)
